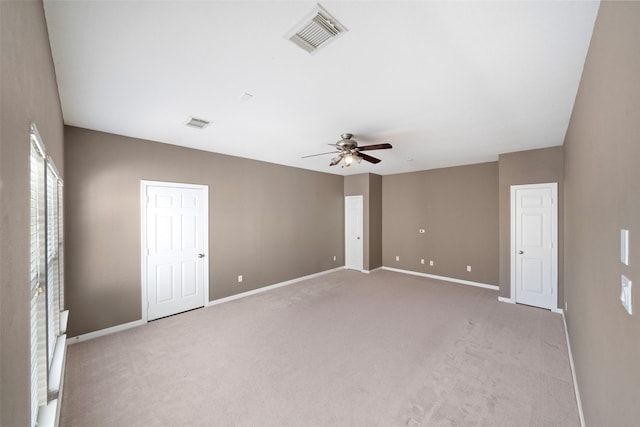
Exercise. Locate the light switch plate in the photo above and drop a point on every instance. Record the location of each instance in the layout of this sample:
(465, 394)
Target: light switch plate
(624, 247)
(625, 294)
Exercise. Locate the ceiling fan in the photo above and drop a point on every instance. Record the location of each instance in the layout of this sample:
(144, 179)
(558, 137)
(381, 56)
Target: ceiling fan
(347, 151)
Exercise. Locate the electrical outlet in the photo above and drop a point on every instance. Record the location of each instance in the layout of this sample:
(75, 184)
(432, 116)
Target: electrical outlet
(240, 278)
(468, 268)
(422, 261)
(334, 258)
(421, 231)
(566, 306)
(430, 263)
(397, 258)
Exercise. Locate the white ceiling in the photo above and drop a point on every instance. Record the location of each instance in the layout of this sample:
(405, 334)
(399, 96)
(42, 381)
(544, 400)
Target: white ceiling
(447, 83)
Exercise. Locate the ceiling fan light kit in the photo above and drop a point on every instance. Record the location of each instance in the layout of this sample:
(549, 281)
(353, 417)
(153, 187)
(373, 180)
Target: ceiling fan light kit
(348, 151)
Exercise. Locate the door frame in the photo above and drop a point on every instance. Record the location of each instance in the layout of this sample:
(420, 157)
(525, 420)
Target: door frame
(144, 184)
(346, 219)
(553, 186)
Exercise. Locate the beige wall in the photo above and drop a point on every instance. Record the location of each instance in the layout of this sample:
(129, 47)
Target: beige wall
(458, 208)
(375, 221)
(519, 168)
(29, 94)
(268, 223)
(369, 186)
(602, 184)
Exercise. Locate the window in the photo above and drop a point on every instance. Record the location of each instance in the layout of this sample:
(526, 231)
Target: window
(46, 276)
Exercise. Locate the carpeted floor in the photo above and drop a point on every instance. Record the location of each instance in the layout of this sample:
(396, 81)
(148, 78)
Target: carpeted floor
(343, 349)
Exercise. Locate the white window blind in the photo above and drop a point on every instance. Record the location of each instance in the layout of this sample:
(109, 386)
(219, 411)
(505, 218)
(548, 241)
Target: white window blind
(37, 285)
(53, 279)
(60, 246)
(46, 279)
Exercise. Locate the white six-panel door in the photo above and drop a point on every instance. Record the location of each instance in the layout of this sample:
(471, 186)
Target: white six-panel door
(534, 275)
(174, 247)
(354, 247)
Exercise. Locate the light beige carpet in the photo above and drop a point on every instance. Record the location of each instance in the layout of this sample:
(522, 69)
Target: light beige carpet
(344, 349)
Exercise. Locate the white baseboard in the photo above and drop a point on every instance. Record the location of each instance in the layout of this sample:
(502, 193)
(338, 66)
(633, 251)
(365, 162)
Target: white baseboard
(106, 331)
(513, 301)
(573, 369)
(447, 279)
(270, 287)
(371, 271)
(136, 323)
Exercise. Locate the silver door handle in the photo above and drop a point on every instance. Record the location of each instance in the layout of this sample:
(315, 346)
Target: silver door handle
(520, 252)
(200, 255)
(358, 238)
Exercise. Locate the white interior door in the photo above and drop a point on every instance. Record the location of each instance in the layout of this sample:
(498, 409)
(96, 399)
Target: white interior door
(534, 246)
(354, 247)
(175, 241)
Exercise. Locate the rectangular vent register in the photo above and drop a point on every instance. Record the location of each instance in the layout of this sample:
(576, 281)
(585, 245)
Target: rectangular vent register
(316, 30)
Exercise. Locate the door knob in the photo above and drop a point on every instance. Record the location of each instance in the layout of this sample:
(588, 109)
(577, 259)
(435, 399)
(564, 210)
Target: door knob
(520, 252)
(358, 237)
(200, 255)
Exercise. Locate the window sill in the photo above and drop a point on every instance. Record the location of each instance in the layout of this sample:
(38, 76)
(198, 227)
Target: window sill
(48, 414)
(57, 364)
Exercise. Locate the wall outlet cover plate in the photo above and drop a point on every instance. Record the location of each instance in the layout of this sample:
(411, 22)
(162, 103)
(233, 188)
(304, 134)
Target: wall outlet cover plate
(625, 294)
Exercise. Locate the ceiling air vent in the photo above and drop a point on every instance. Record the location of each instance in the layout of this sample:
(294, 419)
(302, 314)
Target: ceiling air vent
(197, 123)
(316, 30)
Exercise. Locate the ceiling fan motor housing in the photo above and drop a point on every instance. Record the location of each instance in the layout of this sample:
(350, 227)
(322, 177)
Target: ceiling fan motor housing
(347, 143)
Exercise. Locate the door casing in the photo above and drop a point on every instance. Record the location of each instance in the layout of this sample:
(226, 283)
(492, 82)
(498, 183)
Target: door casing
(553, 186)
(144, 184)
(349, 262)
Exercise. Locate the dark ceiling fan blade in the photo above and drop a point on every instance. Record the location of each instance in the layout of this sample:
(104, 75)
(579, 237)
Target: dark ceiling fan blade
(368, 158)
(321, 154)
(375, 147)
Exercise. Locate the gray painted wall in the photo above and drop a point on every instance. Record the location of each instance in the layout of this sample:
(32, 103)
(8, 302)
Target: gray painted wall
(602, 187)
(268, 223)
(29, 94)
(519, 168)
(458, 208)
(375, 221)
(601, 196)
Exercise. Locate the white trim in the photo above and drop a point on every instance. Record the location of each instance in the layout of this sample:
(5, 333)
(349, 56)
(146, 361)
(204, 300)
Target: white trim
(64, 320)
(51, 165)
(56, 371)
(136, 323)
(48, 414)
(573, 368)
(270, 287)
(106, 331)
(554, 232)
(447, 279)
(507, 300)
(37, 140)
(371, 271)
(143, 238)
